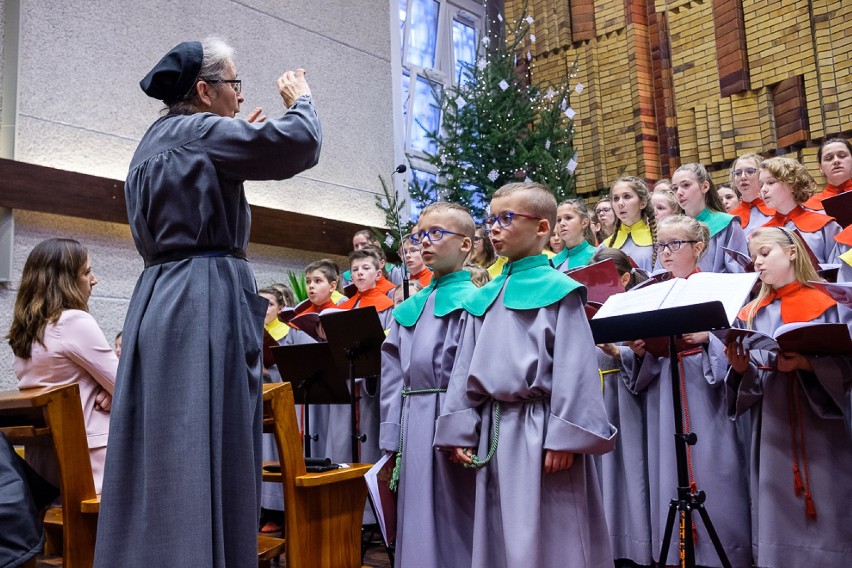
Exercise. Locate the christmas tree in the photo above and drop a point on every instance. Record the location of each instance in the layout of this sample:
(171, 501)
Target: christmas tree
(498, 127)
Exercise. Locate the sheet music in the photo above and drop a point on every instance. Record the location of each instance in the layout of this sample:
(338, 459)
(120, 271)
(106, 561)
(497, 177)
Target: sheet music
(636, 301)
(730, 289)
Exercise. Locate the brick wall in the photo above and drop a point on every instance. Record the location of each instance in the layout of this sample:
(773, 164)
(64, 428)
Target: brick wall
(673, 81)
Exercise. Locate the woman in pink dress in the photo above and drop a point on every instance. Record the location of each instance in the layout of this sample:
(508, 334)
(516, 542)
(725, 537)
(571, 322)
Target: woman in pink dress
(56, 341)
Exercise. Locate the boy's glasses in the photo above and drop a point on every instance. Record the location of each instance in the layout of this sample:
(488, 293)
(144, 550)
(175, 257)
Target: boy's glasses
(505, 218)
(673, 246)
(434, 235)
(745, 172)
(235, 84)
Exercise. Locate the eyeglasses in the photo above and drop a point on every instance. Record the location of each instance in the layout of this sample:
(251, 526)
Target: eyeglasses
(746, 172)
(673, 246)
(235, 84)
(505, 218)
(603, 209)
(434, 235)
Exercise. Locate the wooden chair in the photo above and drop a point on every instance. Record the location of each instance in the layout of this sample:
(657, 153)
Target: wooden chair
(323, 511)
(38, 414)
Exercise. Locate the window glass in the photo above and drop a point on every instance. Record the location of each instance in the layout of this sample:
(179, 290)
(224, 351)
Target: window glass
(423, 33)
(464, 46)
(426, 116)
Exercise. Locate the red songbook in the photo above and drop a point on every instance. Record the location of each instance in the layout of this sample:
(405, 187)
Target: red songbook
(600, 279)
(384, 500)
(805, 338)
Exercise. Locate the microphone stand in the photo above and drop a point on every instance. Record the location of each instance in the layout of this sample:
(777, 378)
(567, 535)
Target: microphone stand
(406, 290)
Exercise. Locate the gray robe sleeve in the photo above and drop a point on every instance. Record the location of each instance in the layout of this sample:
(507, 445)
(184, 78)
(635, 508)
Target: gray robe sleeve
(578, 420)
(283, 146)
(391, 391)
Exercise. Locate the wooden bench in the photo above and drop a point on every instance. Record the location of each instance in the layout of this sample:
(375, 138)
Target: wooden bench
(36, 415)
(323, 511)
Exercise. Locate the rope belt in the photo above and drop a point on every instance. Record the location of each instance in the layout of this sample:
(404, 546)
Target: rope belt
(397, 467)
(603, 373)
(200, 252)
(495, 434)
(797, 440)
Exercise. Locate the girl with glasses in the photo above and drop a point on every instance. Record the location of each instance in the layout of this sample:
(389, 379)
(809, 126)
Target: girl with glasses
(752, 211)
(697, 195)
(603, 209)
(635, 226)
(785, 185)
(717, 464)
(801, 454)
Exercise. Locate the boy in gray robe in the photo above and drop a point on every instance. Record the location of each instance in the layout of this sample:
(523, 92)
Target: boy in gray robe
(525, 396)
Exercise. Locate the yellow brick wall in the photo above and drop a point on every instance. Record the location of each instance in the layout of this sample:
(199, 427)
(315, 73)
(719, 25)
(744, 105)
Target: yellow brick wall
(783, 39)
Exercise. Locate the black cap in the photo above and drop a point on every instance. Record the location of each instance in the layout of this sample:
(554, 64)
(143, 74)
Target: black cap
(175, 75)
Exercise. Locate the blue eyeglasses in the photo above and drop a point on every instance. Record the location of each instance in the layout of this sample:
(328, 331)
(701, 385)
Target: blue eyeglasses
(505, 218)
(434, 235)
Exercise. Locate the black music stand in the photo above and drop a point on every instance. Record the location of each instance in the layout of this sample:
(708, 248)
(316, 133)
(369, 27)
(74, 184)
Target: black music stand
(315, 377)
(672, 322)
(355, 338)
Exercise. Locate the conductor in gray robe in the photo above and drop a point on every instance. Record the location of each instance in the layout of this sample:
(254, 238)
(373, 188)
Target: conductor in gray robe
(182, 479)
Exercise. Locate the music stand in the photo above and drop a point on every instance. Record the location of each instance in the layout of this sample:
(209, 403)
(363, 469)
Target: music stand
(672, 322)
(315, 377)
(355, 338)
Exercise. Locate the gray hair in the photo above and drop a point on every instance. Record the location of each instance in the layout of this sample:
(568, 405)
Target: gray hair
(217, 55)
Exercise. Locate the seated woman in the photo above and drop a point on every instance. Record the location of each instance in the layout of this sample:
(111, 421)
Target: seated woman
(57, 342)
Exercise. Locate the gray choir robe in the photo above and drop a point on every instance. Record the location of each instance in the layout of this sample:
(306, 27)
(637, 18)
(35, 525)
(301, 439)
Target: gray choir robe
(844, 275)
(782, 534)
(821, 242)
(714, 258)
(624, 471)
(641, 255)
(182, 477)
(719, 459)
(435, 496)
(539, 365)
(756, 219)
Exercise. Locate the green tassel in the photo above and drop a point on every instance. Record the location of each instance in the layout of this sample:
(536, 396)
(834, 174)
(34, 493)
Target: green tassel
(394, 480)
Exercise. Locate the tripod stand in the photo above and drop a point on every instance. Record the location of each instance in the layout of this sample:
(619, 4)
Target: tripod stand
(687, 500)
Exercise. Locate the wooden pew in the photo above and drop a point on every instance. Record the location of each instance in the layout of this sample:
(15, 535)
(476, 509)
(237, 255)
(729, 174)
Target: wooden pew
(323, 511)
(38, 414)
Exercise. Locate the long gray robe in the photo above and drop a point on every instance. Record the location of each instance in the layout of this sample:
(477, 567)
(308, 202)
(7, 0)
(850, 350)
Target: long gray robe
(624, 471)
(182, 481)
(540, 365)
(756, 219)
(435, 496)
(782, 534)
(719, 463)
(821, 242)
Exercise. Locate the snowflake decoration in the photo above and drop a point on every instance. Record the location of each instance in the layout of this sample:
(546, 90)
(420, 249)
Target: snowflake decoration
(529, 56)
(481, 64)
(549, 94)
(529, 20)
(460, 103)
(532, 38)
(486, 40)
(579, 88)
(547, 144)
(389, 240)
(570, 113)
(493, 175)
(504, 85)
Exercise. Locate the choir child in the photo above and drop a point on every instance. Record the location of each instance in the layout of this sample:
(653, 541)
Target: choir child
(699, 200)
(417, 269)
(664, 201)
(574, 229)
(801, 454)
(784, 185)
(603, 209)
(635, 225)
(717, 464)
(366, 238)
(835, 162)
(730, 196)
(624, 471)
(365, 268)
(435, 496)
(752, 211)
(523, 405)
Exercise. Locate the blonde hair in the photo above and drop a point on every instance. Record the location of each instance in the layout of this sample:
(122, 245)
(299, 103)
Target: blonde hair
(478, 274)
(463, 221)
(803, 268)
(792, 173)
(756, 158)
(694, 230)
(537, 197)
(671, 199)
(646, 213)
